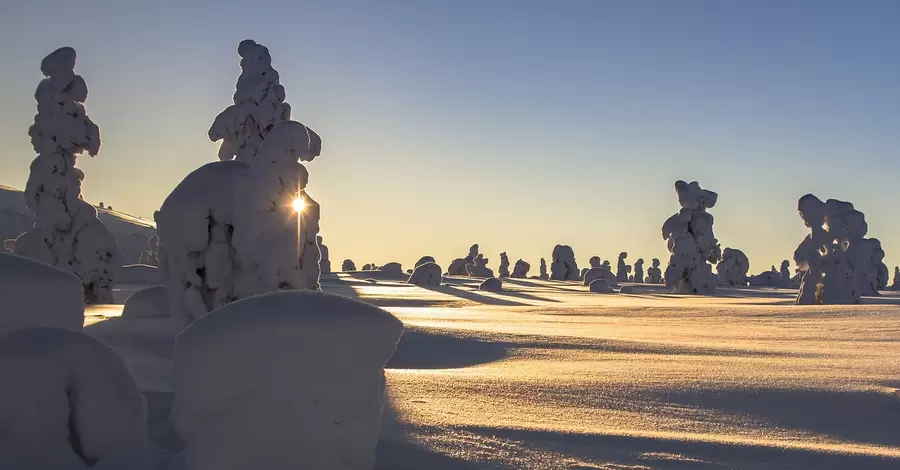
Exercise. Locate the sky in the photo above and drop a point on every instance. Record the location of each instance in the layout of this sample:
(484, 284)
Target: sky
(516, 125)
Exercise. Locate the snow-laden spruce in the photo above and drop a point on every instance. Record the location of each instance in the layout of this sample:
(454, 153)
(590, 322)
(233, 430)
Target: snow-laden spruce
(67, 232)
(520, 269)
(229, 230)
(543, 270)
(639, 271)
(600, 273)
(839, 264)
(690, 240)
(503, 270)
(563, 266)
(325, 261)
(258, 106)
(426, 274)
(458, 266)
(68, 402)
(622, 268)
(423, 260)
(283, 380)
(348, 266)
(150, 256)
(654, 273)
(479, 268)
(733, 268)
(36, 294)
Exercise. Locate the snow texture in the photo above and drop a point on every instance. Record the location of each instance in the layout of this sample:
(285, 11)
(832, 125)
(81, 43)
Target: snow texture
(733, 268)
(229, 231)
(36, 294)
(563, 266)
(140, 274)
(622, 268)
(504, 265)
(258, 106)
(654, 273)
(478, 267)
(839, 264)
(600, 273)
(639, 271)
(520, 269)
(348, 265)
(283, 380)
(150, 302)
(68, 402)
(427, 274)
(491, 284)
(600, 286)
(691, 243)
(66, 232)
(423, 260)
(543, 271)
(324, 262)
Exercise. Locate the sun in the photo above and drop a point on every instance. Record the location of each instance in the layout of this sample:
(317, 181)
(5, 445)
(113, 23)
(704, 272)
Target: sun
(299, 204)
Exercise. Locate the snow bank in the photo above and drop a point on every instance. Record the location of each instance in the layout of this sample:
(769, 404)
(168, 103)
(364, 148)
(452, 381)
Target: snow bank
(622, 268)
(68, 399)
(229, 230)
(348, 265)
(35, 294)
(283, 380)
(520, 270)
(504, 265)
(324, 262)
(599, 273)
(428, 274)
(140, 274)
(733, 268)
(491, 284)
(150, 302)
(478, 267)
(258, 106)
(600, 286)
(690, 240)
(67, 232)
(563, 266)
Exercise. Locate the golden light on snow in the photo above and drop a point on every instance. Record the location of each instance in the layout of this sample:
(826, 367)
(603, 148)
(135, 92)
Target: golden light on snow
(299, 204)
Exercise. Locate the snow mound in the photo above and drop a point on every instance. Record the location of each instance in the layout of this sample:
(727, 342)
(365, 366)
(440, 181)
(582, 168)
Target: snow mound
(491, 284)
(140, 274)
(36, 294)
(733, 268)
(67, 399)
(150, 302)
(599, 273)
(392, 269)
(283, 380)
(428, 274)
(600, 286)
(423, 260)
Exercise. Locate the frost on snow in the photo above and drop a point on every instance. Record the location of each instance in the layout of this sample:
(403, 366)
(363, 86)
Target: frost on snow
(563, 266)
(325, 262)
(283, 380)
(520, 269)
(639, 271)
(733, 268)
(36, 294)
(258, 106)
(348, 265)
(839, 265)
(67, 232)
(690, 240)
(478, 267)
(654, 273)
(68, 402)
(622, 268)
(427, 274)
(504, 265)
(229, 230)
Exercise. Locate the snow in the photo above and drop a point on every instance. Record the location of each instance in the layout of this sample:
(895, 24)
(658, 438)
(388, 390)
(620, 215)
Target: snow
(520, 269)
(593, 274)
(563, 266)
(622, 268)
(690, 240)
(654, 273)
(504, 265)
(316, 365)
(325, 262)
(478, 267)
(36, 294)
(348, 265)
(491, 284)
(423, 260)
(458, 266)
(427, 274)
(733, 268)
(66, 232)
(68, 402)
(639, 271)
(392, 269)
(600, 286)
(149, 302)
(140, 274)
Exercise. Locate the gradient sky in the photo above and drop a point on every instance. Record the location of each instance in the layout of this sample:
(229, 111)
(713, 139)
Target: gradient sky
(514, 124)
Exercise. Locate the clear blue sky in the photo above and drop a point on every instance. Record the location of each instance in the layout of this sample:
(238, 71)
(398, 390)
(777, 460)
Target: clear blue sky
(514, 124)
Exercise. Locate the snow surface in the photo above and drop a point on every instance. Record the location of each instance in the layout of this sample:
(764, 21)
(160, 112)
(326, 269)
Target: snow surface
(68, 402)
(283, 380)
(36, 294)
(149, 302)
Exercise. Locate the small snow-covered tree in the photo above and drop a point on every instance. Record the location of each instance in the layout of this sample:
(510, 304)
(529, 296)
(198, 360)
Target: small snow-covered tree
(67, 232)
(258, 106)
(689, 237)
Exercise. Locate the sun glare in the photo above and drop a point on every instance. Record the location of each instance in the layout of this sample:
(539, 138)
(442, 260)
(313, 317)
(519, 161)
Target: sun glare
(299, 204)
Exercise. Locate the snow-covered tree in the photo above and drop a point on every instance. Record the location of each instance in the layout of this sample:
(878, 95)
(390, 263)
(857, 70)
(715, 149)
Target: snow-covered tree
(689, 237)
(258, 106)
(563, 266)
(504, 265)
(67, 232)
(733, 268)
